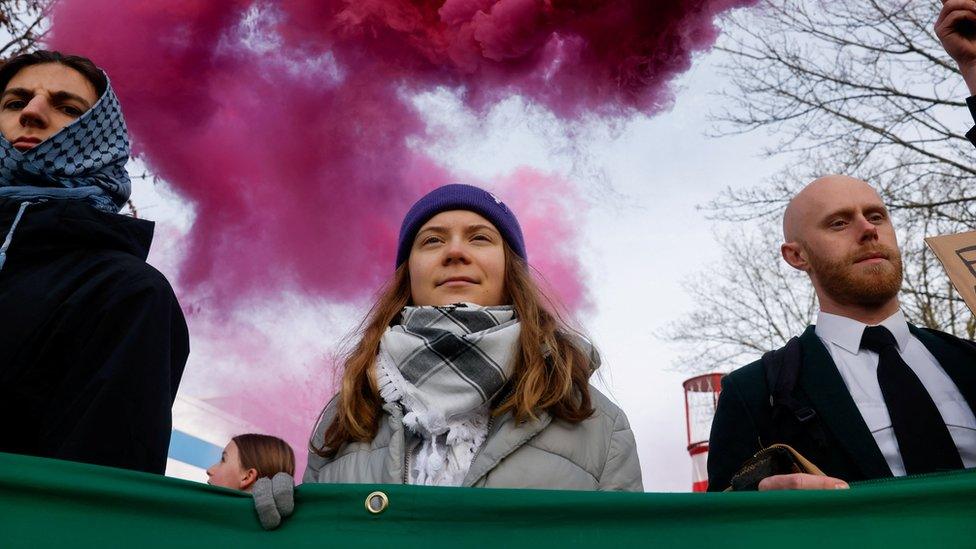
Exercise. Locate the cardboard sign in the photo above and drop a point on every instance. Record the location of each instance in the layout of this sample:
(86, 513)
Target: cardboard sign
(957, 252)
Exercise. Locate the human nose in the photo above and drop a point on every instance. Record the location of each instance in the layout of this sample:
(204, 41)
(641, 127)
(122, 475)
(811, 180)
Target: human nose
(455, 251)
(34, 114)
(869, 231)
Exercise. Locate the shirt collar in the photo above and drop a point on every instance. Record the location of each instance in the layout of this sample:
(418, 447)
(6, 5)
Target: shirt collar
(846, 332)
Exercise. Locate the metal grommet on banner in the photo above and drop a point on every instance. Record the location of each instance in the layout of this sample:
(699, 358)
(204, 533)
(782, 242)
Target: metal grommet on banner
(377, 502)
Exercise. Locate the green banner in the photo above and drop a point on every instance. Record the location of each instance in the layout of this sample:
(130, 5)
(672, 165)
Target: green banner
(48, 503)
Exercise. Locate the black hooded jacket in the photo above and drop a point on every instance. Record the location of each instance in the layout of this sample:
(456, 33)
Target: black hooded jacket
(92, 339)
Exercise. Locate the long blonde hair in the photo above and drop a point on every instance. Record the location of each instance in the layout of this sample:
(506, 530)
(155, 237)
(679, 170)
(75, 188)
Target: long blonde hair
(551, 373)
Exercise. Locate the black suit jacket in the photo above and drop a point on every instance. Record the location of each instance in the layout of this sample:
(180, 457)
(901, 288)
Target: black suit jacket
(971, 134)
(743, 422)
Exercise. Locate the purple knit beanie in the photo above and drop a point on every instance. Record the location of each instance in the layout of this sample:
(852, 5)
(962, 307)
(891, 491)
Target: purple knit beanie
(460, 197)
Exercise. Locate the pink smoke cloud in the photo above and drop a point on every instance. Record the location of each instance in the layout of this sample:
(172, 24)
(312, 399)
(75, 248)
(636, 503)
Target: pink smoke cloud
(573, 56)
(289, 127)
(538, 199)
(290, 131)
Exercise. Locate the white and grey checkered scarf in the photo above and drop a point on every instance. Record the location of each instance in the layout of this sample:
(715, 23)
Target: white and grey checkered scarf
(445, 365)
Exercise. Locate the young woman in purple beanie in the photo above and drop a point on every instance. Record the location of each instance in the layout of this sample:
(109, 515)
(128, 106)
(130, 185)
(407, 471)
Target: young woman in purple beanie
(463, 376)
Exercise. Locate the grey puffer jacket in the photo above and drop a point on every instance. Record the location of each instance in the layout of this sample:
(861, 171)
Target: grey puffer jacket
(598, 453)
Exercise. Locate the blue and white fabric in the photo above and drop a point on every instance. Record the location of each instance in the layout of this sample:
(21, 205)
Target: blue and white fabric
(85, 161)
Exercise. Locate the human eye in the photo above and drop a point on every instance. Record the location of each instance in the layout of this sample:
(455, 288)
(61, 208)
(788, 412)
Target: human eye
(429, 240)
(837, 224)
(72, 111)
(877, 217)
(14, 104)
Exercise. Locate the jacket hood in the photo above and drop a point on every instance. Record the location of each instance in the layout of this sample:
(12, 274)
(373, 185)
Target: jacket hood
(595, 360)
(59, 225)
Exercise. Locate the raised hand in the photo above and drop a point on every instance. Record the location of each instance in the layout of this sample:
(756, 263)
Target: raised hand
(956, 29)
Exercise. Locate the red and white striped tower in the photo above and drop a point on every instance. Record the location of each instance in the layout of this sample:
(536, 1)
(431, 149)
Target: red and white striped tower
(701, 397)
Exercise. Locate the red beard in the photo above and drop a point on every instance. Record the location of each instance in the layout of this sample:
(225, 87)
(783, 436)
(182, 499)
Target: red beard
(854, 284)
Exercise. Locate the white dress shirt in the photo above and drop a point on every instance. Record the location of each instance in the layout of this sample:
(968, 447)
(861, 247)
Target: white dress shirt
(859, 368)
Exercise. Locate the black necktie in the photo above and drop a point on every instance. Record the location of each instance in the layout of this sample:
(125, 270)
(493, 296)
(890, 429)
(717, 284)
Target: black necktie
(923, 439)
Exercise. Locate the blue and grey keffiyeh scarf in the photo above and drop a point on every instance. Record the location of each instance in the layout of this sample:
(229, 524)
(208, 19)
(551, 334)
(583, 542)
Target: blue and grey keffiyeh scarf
(84, 161)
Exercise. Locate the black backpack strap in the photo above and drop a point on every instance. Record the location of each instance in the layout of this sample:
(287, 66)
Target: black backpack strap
(782, 368)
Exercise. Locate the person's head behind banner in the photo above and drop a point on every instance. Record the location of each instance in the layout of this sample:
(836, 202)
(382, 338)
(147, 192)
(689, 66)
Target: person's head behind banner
(64, 136)
(839, 232)
(461, 244)
(248, 457)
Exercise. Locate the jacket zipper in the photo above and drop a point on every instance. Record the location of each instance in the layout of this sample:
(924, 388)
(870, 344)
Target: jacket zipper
(406, 451)
(406, 464)
(491, 422)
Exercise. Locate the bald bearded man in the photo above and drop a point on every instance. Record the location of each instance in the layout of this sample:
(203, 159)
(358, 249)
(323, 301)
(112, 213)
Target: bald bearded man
(862, 394)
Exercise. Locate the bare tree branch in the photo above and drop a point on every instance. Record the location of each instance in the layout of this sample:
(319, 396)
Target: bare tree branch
(23, 24)
(848, 86)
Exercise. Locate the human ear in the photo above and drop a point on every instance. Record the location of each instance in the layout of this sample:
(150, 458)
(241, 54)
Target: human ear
(794, 255)
(248, 479)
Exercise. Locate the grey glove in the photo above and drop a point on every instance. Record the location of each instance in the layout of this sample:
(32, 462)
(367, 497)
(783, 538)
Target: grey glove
(274, 499)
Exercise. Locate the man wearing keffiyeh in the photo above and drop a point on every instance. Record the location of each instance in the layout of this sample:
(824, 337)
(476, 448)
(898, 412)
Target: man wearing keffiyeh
(92, 339)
